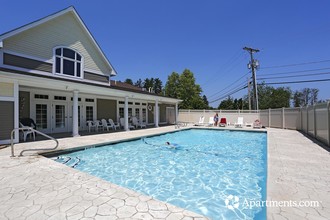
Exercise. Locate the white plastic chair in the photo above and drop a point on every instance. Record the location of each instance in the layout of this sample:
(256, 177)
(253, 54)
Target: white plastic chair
(201, 121)
(211, 121)
(105, 124)
(91, 125)
(113, 125)
(122, 124)
(27, 132)
(239, 122)
(137, 124)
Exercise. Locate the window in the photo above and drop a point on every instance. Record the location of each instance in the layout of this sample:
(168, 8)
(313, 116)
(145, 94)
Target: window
(68, 62)
(41, 116)
(89, 113)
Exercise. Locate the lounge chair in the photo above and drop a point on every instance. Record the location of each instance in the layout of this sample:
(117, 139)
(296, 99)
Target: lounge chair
(27, 131)
(223, 122)
(137, 124)
(122, 124)
(105, 124)
(239, 123)
(91, 125)
(113, 125)
(211, 121)
(257, 124)
(201, 121)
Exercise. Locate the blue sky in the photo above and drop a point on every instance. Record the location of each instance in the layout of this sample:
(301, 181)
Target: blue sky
(150, 38)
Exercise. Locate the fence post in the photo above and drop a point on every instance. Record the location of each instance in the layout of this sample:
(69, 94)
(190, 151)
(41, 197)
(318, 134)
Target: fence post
(269, 119)
(314, 118)
(307, 120)
(283, 119)
(301, 117)
(328, 105)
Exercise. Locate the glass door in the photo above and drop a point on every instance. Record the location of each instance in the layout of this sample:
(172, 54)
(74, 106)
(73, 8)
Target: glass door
(60, 121)
(41, 115)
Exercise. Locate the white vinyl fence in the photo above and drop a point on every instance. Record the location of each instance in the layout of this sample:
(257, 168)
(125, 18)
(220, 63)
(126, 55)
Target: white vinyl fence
(312, 120)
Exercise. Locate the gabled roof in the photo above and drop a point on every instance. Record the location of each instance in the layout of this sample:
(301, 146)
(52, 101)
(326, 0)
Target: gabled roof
(70, 9)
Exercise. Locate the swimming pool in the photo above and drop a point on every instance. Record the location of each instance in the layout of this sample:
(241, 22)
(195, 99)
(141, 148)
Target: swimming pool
(206, 171)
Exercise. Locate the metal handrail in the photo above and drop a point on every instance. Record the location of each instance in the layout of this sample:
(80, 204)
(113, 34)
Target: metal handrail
(33, 130)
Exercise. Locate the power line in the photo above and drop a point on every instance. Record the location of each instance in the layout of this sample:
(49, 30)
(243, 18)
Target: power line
(229, 85)
(295, 64)
(232, 89)
(228, 94)
(225, 66)
(292, 82)
(281, 77)
(300, 71)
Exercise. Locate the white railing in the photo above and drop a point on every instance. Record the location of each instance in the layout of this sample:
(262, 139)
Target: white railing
(312, 120)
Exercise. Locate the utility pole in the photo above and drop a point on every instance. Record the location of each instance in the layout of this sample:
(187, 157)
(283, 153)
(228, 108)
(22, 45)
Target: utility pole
(253, 65)
(249, 93)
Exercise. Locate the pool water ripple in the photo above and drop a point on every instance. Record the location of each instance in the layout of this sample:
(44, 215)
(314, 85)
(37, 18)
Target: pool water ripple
(199, 174)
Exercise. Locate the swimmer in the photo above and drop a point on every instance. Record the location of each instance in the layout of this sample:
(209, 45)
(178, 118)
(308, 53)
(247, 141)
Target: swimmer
(173, 146)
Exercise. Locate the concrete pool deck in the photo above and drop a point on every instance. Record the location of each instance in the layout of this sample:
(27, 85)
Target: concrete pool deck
(35, 187)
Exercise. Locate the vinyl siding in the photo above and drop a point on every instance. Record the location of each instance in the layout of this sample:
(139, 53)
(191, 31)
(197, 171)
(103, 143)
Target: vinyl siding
(64, 30)
(106, 109)
(96, 77)
(26, 63)
(7, 119)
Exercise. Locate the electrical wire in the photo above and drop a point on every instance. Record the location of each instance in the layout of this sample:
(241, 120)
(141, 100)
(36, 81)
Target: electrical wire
(300, 71)
(230, 85)
(292, 82)
(283, 77)
(295, 64)
(228, 94)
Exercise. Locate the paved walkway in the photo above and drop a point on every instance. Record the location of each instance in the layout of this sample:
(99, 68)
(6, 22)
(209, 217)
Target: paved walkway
(34, 187)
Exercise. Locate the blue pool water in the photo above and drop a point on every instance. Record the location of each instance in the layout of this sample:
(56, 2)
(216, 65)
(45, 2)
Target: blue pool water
(205, 168)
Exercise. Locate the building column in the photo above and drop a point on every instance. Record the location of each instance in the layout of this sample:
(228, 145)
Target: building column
(176, 112)
(126, 114)
(16, 111)
(75, 125)
(156, 114)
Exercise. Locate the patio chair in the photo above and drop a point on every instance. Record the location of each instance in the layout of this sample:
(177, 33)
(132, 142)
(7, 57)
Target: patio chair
(211, 121)
(239, 123)
(114, 126)
(105, 124)
(223, 122)
(137, 124)
(122, 124)
(27, 132)
(200, 122)
(257, 124)
(91, 125)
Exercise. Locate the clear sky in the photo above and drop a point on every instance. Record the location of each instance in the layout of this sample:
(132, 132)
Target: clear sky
(153, 38)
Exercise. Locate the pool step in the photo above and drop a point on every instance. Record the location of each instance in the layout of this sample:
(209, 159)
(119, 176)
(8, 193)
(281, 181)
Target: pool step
(69, 161)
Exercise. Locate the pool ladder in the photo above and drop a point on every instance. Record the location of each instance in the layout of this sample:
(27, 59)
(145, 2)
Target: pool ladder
(32, 130)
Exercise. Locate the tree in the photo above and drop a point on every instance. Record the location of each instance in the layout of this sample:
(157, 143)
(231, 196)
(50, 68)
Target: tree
(139, 83)
(270, 97)
(172, 85)
(206, 102)
(158, 86)
(128, 81)
(183, 86)
(305, 96)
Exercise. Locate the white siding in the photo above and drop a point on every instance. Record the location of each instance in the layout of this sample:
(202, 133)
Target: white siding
(64, 30)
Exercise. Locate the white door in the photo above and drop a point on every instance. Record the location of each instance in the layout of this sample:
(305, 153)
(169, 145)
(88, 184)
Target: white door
(60, 117)
(41, 115)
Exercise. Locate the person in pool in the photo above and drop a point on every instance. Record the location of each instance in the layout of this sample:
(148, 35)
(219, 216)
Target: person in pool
(173, 146)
